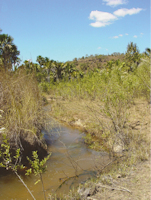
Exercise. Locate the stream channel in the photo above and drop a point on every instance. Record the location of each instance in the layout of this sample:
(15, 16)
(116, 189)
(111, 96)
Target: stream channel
(70, 157)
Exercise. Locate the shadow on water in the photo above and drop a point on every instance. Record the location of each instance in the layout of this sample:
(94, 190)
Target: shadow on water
(71, 163)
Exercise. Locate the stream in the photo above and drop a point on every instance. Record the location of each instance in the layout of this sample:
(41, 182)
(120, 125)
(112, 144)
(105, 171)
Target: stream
(71, 163)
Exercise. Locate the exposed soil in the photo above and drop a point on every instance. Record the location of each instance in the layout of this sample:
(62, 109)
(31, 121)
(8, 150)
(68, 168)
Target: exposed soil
(135, 185)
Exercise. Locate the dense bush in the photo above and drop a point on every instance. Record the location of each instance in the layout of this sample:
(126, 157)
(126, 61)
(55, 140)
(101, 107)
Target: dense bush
(21, 103)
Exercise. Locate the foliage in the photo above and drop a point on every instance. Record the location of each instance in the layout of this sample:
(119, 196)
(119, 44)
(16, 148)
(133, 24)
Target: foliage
(44, 86)
(22, 103)
(8, 161)
(114, 89)
(132, 56)
(143, 74)
(8, 51)
(38, 167)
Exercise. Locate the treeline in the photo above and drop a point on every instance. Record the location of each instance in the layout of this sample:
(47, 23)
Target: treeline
(47, 70)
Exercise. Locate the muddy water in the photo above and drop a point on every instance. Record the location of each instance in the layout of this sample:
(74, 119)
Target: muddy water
(71, 162)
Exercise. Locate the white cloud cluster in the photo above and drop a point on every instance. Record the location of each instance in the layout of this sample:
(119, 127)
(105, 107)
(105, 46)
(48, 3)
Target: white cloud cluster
(117, 36)
(124, 11)
(101, 18)
(105, 18)
(121, 35)
(115, 2)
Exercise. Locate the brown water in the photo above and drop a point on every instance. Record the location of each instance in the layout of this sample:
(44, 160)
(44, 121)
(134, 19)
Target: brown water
(70, 157)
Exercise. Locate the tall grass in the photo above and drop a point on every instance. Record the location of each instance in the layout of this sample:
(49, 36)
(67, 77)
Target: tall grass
(21, 103)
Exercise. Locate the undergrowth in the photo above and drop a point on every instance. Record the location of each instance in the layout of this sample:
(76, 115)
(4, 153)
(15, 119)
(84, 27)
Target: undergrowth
(105, 102)
(22, 116)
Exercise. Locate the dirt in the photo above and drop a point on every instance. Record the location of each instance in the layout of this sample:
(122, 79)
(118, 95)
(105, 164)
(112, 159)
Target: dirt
(134, 186)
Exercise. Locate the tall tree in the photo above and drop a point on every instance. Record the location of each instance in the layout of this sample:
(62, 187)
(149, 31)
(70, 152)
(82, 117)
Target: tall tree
(132, 56)
(8, 51)
(40, 60)
(148, 52)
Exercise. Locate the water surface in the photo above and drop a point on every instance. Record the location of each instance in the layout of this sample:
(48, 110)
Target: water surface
(71, 162)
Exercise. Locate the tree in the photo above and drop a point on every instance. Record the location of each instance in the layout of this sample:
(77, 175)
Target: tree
(69, 70)
(40, 60)
(148, 52)
(8, 51)
(132, 56)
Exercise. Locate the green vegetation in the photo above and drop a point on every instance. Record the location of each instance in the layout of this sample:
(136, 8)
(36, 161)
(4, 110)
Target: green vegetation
(21, 103)
(38, 168)
(10, 162)
(110, 95)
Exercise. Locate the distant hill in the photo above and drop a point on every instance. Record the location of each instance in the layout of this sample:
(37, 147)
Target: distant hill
(98, 61)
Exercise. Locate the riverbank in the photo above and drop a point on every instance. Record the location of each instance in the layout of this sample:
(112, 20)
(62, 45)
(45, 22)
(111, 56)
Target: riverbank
(21, 114)
(133, 166)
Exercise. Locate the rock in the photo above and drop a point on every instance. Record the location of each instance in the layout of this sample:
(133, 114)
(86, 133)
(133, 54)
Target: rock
(119, 176)
(118, 148)
(2, 130)
(78, 123)
(85, 192)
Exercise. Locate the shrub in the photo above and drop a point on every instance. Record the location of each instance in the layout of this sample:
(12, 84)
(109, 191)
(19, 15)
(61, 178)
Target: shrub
(22, 116)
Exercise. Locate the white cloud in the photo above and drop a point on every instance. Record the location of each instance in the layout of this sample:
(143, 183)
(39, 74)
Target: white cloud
(135, 36)
(124, 11)
(99, 24)
(115, 2)
(142, 33)
(126, 33)
(99, 47)
(115, 37)
(101, 18)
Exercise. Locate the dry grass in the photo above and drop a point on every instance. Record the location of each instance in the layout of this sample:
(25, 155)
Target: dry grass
(21, 102)
(87, 116)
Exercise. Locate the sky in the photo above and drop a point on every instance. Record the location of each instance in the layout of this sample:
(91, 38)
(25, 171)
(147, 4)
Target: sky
(66, 29)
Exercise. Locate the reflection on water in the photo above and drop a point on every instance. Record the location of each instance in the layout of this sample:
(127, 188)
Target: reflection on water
(71, 162)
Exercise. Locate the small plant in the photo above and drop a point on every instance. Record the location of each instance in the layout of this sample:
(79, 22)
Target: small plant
(11, 162)
(38, 168)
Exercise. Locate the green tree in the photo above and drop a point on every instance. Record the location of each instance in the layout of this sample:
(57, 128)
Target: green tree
(132, 56)
(69, 70)
(40, 60)
(148, 52)
(8, 51)
(58, 70)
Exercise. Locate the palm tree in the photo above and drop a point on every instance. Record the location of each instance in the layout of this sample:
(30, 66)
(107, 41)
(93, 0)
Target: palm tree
(132, 56)
(40, 60)
(148, 52)
(8, 51)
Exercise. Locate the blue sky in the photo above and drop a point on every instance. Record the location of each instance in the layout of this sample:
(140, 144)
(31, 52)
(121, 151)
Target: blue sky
(65, 29)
